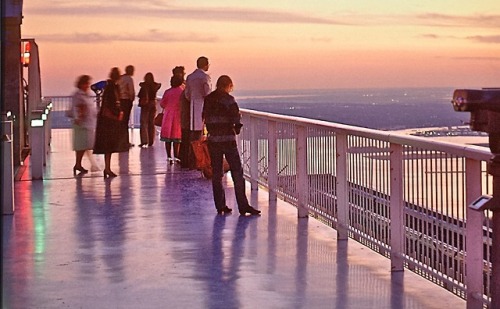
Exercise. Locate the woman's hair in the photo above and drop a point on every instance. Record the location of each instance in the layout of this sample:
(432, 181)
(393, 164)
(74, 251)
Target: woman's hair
(82, 80)
(223, 82)
(149, 78)
(179, 70)
(114, 75)
(176, 81)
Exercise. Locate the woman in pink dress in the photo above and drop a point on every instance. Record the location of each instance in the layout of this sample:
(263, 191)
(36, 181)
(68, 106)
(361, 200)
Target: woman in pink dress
(171, 125)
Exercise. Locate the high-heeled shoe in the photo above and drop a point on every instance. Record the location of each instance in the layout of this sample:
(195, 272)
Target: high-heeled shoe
(108, 174)
(249, 210)
(224, 211)
(80, 169)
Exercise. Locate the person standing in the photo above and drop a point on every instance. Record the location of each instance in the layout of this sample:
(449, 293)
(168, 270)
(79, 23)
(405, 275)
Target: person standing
(223, 121)
(198, 86)
(127, 94)
(185, 145)
(84, 116)
(110, 136)
(171, 124)
(147, 103)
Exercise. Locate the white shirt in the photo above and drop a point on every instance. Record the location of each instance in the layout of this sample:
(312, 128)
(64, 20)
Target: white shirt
(126, 84)
(198, 86)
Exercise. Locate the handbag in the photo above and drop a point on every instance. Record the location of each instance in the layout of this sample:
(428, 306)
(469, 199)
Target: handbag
(158, 119)
(106, 112)
(202, 156)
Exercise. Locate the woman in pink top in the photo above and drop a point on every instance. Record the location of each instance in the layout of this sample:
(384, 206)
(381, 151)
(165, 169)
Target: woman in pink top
(171, 125)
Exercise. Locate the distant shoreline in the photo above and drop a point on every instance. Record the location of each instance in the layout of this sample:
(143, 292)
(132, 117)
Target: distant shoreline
(456, 134)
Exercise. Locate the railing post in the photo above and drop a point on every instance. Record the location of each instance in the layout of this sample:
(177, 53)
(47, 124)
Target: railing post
(342, 187)
(37, 141)
(254, 155)
(272, 160)
(474, 237)
(48, 128)
(302, 176)
(8, 169)
(397, 225)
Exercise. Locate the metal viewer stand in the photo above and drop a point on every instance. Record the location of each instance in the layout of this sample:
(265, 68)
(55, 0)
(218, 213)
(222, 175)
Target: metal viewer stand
(484, 106)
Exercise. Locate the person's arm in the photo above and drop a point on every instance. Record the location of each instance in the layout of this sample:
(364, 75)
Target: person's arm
(207, 86)
(187, 91)
(81, 112)
(236, 115)
(164, 99)
(132, 89)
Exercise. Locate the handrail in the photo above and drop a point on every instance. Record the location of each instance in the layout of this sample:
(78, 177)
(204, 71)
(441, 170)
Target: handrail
(376, 186)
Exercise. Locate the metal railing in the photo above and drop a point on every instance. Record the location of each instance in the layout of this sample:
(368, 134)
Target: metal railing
(404, 197)
(63, 103)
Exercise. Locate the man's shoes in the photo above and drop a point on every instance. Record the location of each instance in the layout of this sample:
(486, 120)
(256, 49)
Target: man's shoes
(249, 210)
(142, 145)
(224, 211)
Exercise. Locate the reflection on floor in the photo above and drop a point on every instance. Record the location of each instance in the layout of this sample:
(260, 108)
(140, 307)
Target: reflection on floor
(150, 238)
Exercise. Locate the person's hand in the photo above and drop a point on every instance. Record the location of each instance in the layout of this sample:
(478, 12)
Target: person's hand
(237, 128)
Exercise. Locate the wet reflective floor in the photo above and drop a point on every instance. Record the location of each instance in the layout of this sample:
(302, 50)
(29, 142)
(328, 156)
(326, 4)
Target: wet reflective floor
(150, 238)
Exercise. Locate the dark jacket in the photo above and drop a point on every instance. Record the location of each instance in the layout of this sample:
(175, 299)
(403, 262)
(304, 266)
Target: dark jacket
(150, 90)
(222, 117)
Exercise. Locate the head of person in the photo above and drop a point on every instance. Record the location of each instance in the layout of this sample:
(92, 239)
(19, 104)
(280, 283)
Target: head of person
(129, 70)
(149, 78)
(202, 63)
(83, 82)
(114, 75)
(178, 71)
(224, 83)
(176, 81)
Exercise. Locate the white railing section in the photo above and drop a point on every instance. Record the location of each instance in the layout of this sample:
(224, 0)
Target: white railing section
(63, 103)
(404, 197)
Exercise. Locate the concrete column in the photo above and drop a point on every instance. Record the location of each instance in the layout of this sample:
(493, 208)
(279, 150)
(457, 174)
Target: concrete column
(12, 94)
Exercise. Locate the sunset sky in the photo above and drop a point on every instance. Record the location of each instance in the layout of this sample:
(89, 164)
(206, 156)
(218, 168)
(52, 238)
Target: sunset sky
(314, 44)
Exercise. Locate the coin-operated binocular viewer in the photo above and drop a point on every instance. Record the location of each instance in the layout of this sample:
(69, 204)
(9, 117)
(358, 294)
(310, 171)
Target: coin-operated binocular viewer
(484, 106)
(98, 89)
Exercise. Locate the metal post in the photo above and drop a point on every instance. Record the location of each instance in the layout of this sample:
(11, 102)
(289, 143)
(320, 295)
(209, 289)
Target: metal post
(397, 208)
(302, 177)
(37, 148)
(8, 169)
(342, 191)
(254, 155)
(272, 157)
(474, 237)
(494, 170)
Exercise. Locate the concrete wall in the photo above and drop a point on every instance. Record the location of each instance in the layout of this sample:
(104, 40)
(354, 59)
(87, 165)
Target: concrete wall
(12, 95)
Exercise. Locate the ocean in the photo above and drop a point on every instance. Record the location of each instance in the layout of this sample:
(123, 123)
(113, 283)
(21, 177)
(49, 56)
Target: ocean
(382, 109)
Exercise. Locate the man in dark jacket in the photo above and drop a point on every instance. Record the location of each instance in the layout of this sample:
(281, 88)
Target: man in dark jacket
(223, 121)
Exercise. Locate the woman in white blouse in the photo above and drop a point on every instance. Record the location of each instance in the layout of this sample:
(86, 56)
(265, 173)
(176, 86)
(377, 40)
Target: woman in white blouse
(84, 121)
